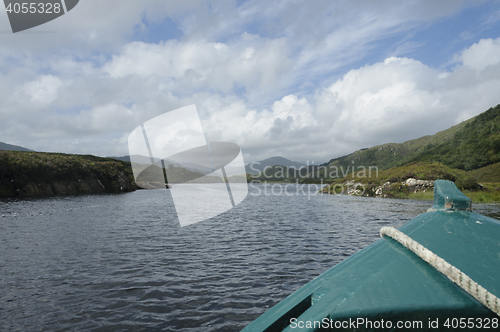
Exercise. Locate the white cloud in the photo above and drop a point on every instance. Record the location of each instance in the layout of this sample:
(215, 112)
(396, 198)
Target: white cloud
(401, 99)
(252, 63)
(482, 54)
(230, 119)
(43, 91)
(389, 101)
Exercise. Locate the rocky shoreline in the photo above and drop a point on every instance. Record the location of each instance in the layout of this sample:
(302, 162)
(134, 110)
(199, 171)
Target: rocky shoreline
(411, 184)
(388, 189)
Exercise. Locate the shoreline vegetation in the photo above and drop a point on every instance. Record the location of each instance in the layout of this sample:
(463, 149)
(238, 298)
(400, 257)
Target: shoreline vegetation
(416, 181)
(24, 173)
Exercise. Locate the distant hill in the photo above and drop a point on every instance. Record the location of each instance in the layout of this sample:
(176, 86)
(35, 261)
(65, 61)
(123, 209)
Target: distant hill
(150, 174)
(472, 144)
(124, 158)
(282, 174)
(258, 166)
(10, 147)
(137, 159)
(147, 161)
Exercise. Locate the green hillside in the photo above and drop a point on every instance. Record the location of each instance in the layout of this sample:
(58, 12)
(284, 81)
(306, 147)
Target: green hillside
(39, 173)
(475, 145)
(469, 145)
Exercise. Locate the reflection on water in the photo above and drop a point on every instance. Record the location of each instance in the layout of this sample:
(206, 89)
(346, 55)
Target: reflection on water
(121, 262)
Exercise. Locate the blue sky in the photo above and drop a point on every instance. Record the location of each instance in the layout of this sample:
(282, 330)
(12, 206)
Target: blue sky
(300, 79)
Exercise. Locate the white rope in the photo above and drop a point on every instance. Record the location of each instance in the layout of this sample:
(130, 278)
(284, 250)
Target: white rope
(458, 277)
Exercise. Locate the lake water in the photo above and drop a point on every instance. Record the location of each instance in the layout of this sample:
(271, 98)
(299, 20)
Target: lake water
(122, 263)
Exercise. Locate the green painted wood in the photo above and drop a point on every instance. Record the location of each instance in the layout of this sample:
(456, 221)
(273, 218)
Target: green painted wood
(387, 281)
(448, 197)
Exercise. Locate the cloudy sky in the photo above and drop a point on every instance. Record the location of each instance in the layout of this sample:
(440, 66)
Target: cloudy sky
(307, 80)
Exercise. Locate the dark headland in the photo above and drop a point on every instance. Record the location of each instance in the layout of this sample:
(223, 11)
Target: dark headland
(27, 173)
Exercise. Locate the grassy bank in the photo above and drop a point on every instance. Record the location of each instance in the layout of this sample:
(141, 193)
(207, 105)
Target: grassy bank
(38, 173)
(489, 194)
(392, 182)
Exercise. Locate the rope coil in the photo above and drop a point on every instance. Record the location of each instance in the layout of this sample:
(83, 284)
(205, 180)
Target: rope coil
(486, 298)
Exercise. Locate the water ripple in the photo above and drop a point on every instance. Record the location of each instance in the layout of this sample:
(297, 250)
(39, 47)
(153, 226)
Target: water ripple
(122, 263)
